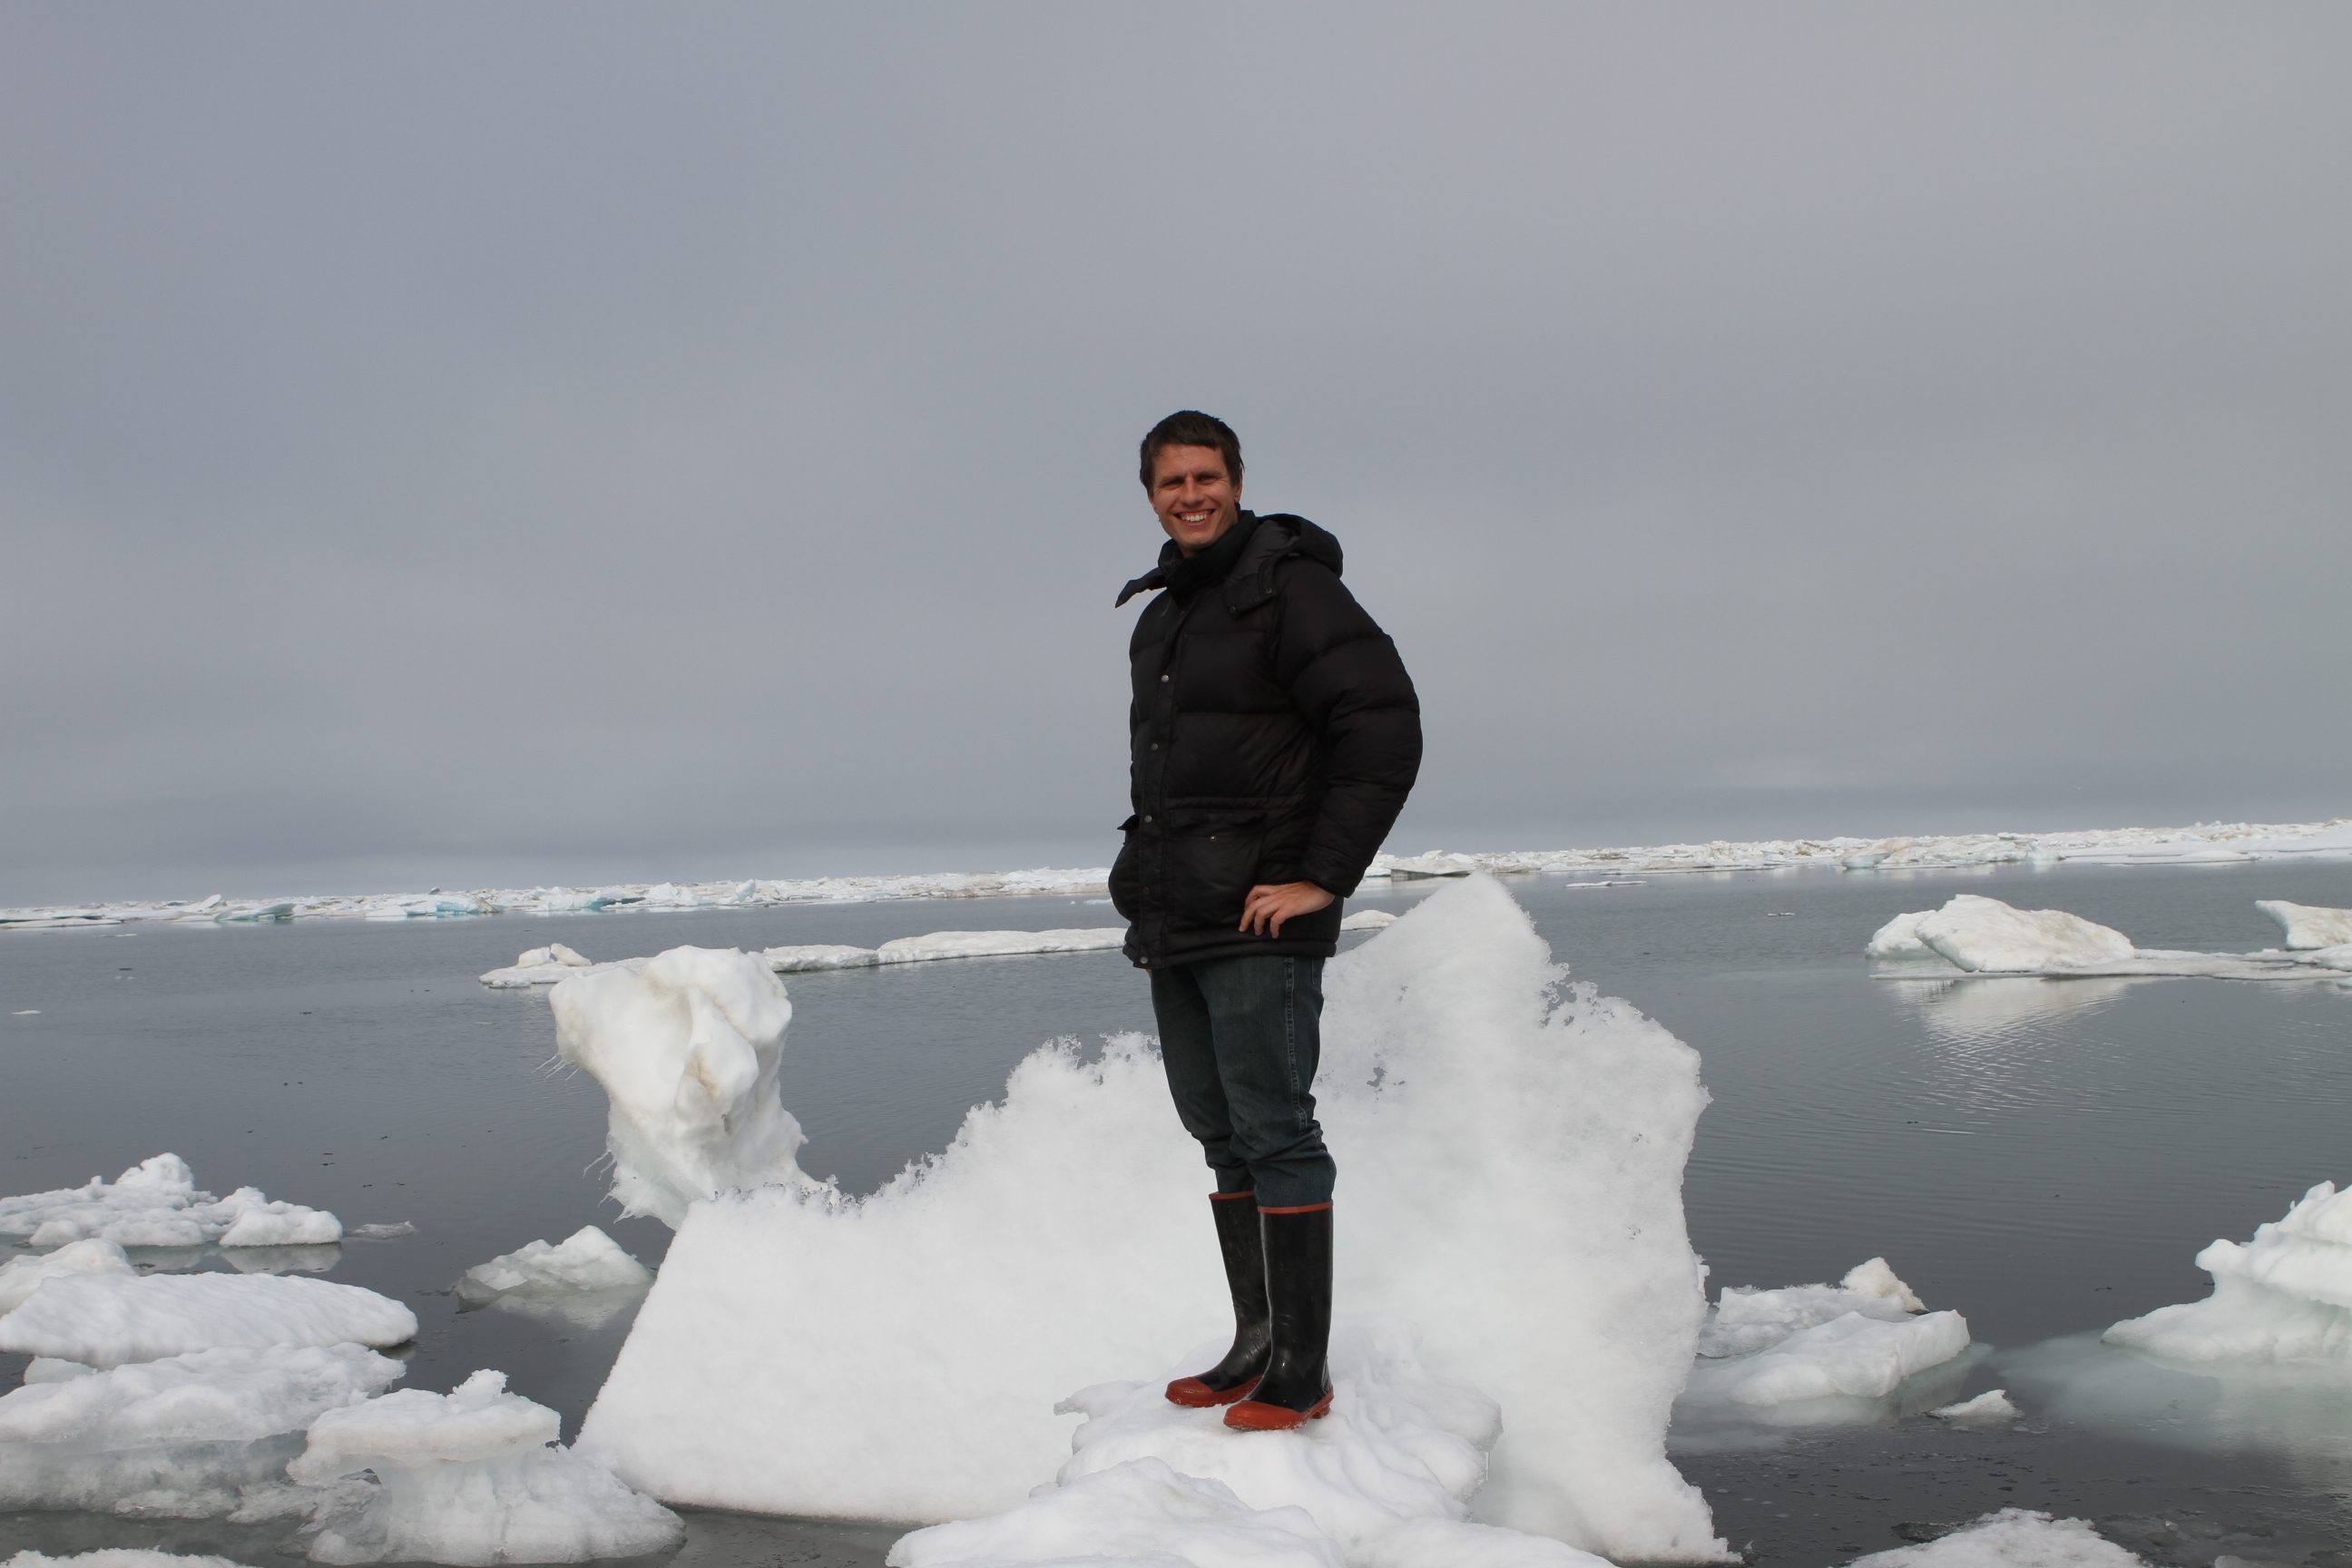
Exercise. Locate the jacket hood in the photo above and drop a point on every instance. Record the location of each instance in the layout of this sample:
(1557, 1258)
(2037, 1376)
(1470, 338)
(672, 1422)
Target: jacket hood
(1273, 539)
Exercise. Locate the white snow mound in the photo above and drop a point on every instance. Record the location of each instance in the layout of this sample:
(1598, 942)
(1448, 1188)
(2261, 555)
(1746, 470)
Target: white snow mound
(20, 1276)
(178, 1436)
(1746, 1319)
(2013, 1538)
(686, 1049)
(2285, 1296)
(2309, 925)
(1143, 1514)
(156, 1204)
(1551, 1266)
(106, 1319)
(1980, 934)
(587, 1261)
(469, 1477)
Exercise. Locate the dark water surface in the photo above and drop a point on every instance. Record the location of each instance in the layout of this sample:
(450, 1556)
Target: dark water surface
(2045, 1156)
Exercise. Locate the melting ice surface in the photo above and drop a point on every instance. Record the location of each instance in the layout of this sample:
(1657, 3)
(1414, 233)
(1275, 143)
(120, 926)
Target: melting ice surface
(156, 1204)
(1061, 1243)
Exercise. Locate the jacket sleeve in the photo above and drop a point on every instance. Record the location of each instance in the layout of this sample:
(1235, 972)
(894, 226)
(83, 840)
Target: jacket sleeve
(1343, 675)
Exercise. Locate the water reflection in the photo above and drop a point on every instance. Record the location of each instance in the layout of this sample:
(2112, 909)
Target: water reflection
(1980, 1008)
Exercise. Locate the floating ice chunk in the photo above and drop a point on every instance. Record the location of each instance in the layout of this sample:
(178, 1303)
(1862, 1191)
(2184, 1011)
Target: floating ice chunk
(2285, 1296)
(1745, 1320)
(1989, 1408)
(382, 1232)
(1899, 938)
(1979, 933)
(282, 1259)
(563, 900)
(106, 1319)
(2328, 957)
(2309, 925)
(588, 1260)
(1369, 920)
(997, 944)
(20, 1275)
(176, 1436)
(1553, 1264)
(554, 953)
(1399, 1443)
(156, 1204)
(1141, 1512)
(817, 956)
(469, 1477)
(686, 1052)
(1434, 865)
(1854, 1355)
(2013, 1538)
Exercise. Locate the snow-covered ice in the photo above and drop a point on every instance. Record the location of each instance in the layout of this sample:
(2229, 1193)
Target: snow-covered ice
(1990, 1408)
(810, 957)
(106, 1319)
(1746, 1319)
(156, 1204)
(2013, 1538)
(2286, 1296)
(1857, 1356)
(1977, 933)
(1369, 920)
(588, 1260)
(178, 1436)
(1142, 1512)
(118, 1557)
(997, 944)
(19, 1276)
(686, 1049)
(554, 955)
(469, 1478)
(2309, 925)
(1063, 1241)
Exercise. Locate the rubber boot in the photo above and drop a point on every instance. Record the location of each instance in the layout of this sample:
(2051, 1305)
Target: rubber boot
(1238, 1240)
(1297, 1387)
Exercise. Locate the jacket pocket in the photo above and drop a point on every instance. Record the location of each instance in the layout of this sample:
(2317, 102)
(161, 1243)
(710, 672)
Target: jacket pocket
(1215, 857)
(1122, 875)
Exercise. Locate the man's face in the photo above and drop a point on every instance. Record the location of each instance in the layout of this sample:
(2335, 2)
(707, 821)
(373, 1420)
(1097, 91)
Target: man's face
(1197, 500)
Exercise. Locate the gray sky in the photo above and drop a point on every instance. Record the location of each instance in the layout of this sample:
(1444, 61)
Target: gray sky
(565, 442)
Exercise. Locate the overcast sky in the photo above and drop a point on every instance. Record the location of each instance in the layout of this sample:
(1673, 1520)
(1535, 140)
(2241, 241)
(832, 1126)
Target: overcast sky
(495, 445)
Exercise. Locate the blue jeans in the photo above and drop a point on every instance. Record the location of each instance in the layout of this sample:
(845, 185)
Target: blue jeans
(1240, 1037)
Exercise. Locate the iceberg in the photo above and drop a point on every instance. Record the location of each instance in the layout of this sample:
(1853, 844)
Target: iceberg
(1062, 1242)
(2286, 1296)
(106, 1319)
(19, 1276)
(178, 1436)
(469, 1478)
(2309, 925)
(686, 1049)
(156, 1204)
(589, 1261)
(2013, 1538)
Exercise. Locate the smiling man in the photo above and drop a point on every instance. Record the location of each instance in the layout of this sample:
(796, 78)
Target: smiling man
(1274, 736)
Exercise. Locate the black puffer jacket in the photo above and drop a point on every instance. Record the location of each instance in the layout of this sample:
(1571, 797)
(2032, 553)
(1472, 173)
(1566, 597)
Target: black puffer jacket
(1272, 738)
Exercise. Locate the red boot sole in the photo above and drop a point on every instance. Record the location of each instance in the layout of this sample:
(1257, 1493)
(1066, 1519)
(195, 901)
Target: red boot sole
(1252, 1416)
(1194, 1394)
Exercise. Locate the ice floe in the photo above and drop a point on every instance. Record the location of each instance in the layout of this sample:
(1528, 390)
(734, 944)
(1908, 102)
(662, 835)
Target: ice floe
(2309, 925)
(1746, 1319)
(2013, 1538)
(19, 1276)
(1062, 1242)
(106, 1319)
(156, 1204)
(118, 1557)
(179, 1436)
(1990, 1408)
(686, 1047)
(997, 944)
(1979, 936)
(2213, 843)
(588, 1261)
(1856, 1355)
(469, 1478)
(2285, 1296)
(817, 956)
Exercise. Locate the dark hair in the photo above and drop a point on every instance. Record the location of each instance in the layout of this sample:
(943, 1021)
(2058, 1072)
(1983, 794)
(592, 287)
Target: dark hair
(1191, 428)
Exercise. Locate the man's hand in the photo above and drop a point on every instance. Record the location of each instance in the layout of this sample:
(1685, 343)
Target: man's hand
(1271, 903)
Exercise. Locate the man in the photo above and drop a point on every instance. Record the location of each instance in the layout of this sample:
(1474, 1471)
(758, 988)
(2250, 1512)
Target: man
(1273, 737)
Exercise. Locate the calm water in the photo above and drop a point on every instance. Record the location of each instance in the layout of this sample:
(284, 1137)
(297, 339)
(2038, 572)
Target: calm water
(2045, 1156)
